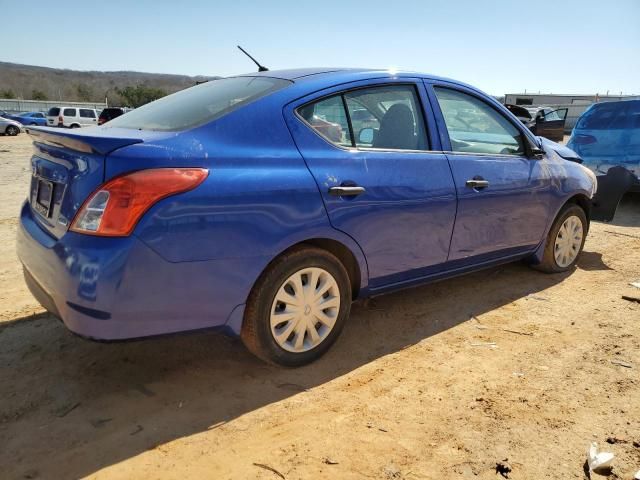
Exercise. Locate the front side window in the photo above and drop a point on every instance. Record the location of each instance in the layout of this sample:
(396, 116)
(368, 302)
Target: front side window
(475, 127)
(69, 112)
(555, 115)
(200, 104)
(385, 117)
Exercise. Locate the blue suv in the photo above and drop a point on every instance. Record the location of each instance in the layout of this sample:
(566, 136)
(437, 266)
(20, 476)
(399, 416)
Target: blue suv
(264, 204)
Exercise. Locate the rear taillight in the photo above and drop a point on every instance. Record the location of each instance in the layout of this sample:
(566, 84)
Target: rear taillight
(115, 208)
(60, 119)
(584, 139)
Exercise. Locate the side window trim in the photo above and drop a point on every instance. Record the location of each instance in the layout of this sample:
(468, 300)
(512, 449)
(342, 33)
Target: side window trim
(420, 104)
(442, 128)
(348, 116)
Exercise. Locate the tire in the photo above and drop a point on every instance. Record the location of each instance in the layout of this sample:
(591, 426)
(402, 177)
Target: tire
(261, 325)
(12, 130)
(573, 218)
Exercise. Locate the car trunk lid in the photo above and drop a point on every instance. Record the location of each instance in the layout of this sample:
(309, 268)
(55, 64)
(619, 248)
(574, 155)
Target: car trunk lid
(66, 167)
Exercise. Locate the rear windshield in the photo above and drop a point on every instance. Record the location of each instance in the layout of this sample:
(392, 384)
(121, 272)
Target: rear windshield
(54, 112)
(200, 104)
(611, 116)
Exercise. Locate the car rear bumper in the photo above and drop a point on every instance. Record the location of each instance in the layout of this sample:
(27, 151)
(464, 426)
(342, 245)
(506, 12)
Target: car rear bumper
(119, 288)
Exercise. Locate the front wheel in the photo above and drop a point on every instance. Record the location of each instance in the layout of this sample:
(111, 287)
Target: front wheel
(297, 308)
(12, 130)
(565, 240)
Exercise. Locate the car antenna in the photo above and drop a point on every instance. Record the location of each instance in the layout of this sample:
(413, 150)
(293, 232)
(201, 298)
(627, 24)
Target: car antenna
(261, 68)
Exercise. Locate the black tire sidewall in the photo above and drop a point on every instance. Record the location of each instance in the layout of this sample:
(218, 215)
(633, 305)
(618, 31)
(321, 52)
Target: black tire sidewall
(261, 301)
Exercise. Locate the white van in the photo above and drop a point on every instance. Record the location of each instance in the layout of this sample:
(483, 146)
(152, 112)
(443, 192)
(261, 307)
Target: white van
(72, 117)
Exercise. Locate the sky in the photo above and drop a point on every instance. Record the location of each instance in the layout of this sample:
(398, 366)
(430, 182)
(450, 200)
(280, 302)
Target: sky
(500, 46)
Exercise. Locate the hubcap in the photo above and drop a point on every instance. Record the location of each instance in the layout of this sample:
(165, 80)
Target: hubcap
(305, 310)
(568, 241)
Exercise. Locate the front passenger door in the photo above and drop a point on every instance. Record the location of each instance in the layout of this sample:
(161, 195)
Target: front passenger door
(503, 195)
(551, 124)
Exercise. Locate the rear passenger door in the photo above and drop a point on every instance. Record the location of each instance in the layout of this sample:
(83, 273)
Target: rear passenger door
(381, 181)
(503, 196)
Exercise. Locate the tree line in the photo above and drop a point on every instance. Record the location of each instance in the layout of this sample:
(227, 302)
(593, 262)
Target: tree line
(129, 96)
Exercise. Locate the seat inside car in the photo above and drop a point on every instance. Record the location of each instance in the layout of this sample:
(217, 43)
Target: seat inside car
(396, 129)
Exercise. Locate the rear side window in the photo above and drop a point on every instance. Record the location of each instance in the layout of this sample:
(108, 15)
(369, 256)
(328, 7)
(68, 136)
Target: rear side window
(200, 104)
(475, 127)
(87, 113)
(329, 118)
(54, 112)
(386, 117)
(607, 116)
(69, 112)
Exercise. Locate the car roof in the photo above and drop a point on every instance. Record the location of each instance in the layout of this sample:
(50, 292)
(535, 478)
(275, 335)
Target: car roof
(338, 75)
(617, 103)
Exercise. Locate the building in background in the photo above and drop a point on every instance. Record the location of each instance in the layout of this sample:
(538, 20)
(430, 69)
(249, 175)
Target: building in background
(575, 104)
(16, 106)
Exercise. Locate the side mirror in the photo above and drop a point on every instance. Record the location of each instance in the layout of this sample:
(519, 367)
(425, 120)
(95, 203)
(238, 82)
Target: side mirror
(537, 153)
(366, 136)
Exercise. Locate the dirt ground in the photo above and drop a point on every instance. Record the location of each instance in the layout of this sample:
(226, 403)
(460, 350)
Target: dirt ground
(413, 389)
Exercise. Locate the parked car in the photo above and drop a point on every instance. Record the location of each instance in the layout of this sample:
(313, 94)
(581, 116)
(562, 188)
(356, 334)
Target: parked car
(233, 205)
(110, 113)
(9, 127)
(607, 138)
(30, 118)
(72, 117)
(542, 121)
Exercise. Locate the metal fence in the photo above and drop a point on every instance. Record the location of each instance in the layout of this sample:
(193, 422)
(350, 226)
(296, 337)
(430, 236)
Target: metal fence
(14, 106)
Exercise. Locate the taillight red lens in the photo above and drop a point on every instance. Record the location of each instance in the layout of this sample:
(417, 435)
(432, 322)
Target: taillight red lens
(115, 208)
(584, 139)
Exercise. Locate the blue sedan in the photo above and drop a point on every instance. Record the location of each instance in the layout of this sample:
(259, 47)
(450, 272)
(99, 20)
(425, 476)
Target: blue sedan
(264, 204)
(29, 118)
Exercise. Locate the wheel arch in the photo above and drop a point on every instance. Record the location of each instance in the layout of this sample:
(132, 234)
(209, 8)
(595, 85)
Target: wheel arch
(583, 201)
(342, 253)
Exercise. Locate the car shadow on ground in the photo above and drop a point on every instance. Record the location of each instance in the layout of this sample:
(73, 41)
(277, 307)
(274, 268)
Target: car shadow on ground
(71, 407)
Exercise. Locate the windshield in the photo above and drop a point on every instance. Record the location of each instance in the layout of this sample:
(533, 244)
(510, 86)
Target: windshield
(200, 104)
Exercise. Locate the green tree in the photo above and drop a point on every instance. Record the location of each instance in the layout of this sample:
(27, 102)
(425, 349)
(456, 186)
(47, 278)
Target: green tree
(38, 95)
(139, 95)
(7, 94)
(84, 92)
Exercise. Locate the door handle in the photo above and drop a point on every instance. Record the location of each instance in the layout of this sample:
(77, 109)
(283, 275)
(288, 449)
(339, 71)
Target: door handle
(346, 191)
(477, 183)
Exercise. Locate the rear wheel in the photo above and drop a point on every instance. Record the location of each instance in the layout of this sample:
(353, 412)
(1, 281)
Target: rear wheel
(12, 130)
(565, 240)
(297, 308)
